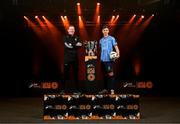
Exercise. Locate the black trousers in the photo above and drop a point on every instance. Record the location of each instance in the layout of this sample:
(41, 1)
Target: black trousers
(67, 68)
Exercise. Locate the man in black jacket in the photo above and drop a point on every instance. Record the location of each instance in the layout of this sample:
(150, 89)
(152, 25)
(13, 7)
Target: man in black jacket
(71, 45)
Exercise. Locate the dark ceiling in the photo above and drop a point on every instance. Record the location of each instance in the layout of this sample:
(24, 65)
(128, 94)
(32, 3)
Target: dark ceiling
(88, 6)
(11, 10)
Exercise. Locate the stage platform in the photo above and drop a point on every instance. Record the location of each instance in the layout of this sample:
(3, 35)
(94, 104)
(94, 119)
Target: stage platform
(30, 110)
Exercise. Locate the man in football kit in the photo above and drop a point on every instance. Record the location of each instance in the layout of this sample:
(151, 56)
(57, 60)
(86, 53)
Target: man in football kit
(107, 44)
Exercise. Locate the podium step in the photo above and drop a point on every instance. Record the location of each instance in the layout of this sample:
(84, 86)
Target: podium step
(91, 107)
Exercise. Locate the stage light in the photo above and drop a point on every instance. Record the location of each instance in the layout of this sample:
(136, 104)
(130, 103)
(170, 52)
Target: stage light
(152, 14)
(82, 28)
(112, 19)
(113, 22)
(35, 28)
(142, 16)
(117, 17)
(65, 22)
(97, 11)
(41, 24)
(96, 20)
(132, 19)
(36, 17)
(25, 18)
(79, 12)
(146, 23)
(43, 17)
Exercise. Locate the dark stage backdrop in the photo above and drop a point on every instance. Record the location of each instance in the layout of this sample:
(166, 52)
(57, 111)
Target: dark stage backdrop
(26, 57)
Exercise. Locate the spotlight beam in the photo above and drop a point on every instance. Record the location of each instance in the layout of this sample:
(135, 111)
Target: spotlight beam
(82, 29)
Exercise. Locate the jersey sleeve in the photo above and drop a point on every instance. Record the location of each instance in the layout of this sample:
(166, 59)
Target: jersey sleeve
(114, 41)
(100, 42)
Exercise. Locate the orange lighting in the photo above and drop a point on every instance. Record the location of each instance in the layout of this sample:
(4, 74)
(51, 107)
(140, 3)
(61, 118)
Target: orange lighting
(50, 38)
(146, 23)
(25, 18)
(112, 19)
(81, 24)
(132, 19)
(137, 66)
(65, 22)
(78, 9)
(51, 27)
(41, 24)
(117, 17)
(96, 31)
(36, 29)
(139, 21)
(82, 29)
(96, 14)
(113, 22)
(98, 20)
(125, 30)
(36, 17)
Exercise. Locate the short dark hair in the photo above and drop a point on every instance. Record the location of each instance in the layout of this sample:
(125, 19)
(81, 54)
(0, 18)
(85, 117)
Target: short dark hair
(105, 26)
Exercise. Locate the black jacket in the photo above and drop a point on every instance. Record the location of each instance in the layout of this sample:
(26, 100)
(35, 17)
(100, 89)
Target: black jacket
(70, 54)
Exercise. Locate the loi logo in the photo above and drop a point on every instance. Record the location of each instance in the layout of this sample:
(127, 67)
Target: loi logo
(90, 72)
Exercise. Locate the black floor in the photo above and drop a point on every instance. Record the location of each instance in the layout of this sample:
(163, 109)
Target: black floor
(29, 110)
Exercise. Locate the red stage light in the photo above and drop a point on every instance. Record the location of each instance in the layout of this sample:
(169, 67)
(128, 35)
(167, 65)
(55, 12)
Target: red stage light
(78, 4)
(142, 16)
(36, 17)
(98, 4)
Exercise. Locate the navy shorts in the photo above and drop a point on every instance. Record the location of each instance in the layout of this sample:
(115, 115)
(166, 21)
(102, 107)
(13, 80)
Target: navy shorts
(107, 67)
